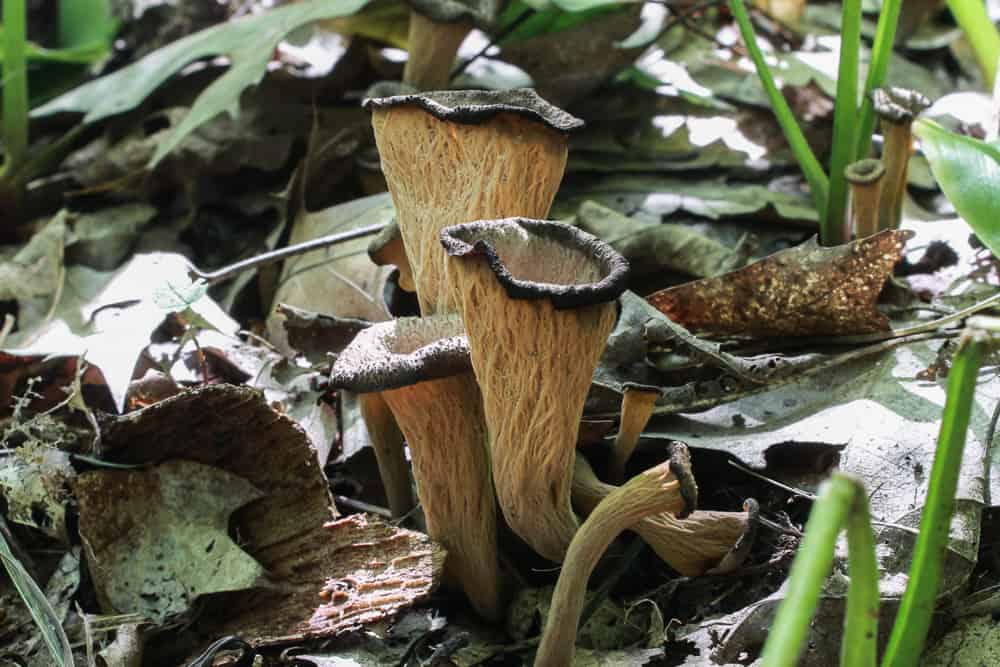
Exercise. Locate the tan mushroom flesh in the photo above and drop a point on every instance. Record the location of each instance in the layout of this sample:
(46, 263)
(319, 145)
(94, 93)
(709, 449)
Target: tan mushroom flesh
(387, 249)
(897, 108)
(421, 368)
(651, 492)
(455, 156)
(390, 455)
(865, 179)
(538, 300)
(437, 29)
(693, 545)
(638, 402)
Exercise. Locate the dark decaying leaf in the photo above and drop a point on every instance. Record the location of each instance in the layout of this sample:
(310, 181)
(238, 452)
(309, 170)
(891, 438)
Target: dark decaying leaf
(806, 290)
(289, 530)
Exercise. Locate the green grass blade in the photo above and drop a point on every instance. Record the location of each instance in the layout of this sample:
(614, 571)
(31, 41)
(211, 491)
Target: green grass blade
(885, 35)
(975, 22)
(809, 570)
(15, 85)
(41, 610)
(859, 647)
(818, 182)
(833, 226)
(917, 606)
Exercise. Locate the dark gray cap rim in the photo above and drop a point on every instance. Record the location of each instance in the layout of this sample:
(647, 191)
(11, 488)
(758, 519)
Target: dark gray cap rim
(562, 297)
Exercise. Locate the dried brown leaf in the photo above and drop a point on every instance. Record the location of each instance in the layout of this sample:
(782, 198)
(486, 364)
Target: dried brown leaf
(802, 291)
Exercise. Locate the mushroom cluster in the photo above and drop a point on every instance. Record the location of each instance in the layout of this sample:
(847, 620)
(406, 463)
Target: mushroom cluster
(487, 386)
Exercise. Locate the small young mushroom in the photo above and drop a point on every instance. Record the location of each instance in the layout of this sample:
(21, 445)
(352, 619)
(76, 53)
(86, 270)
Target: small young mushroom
(638, 401)
(422, 369)
(387, 248)
(897, 108)
(437, 29)
(701, 542)
(651, 492)
(865, 178)
(538, 300)
(387, 442)
(455, 156)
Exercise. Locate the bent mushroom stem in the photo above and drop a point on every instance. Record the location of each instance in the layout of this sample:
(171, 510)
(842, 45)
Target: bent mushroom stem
(454, 156)
(704, 541)
(421, 367)
(387, 441)
(432, 48)
(638, 402)
(538, 302)
(655, 490)
(865, 178)
(897, 108)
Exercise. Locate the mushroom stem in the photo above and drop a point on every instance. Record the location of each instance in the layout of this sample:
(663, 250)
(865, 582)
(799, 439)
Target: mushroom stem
(865, 178)
(455, 494)
(655, 490)
(421, 367)
(638, 402)
(701, 542)
(387, 441)
(432, 49)
(897, 108)
(538, 302)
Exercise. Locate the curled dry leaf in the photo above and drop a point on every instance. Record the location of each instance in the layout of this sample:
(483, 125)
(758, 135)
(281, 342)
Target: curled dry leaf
(802, 291)
(289, 530)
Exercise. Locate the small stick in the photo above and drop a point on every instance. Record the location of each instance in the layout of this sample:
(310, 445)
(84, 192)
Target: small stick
(231, 271)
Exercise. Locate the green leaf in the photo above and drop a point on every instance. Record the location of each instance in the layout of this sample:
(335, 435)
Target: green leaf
(86, 24)
(174, 297)
(82, 55)
(968, 171)
(247, 42)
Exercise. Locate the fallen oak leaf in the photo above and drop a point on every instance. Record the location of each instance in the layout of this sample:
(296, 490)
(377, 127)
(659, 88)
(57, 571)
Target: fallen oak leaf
(802, 291)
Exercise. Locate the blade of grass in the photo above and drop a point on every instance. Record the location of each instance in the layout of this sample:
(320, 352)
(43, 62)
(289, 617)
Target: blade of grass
(15, 85)
(38, 605)
(811, 168)
(917, 606)
(885, 36)
(809, 570)
(833, 226)
(859, 647)
(975, 22)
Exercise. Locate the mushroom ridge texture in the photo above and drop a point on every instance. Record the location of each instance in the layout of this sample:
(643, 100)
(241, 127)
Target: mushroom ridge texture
(421, 368)
(538, 301)
(456, 156)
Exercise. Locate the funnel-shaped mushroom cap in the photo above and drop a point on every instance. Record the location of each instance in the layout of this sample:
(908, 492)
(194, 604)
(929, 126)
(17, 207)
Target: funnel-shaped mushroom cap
(454, 156)
(650, 492)
(421, 367)
(538, 302)
(693, 545)
(899, 105)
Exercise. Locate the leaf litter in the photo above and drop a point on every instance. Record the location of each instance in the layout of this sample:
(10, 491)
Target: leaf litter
(682, 198)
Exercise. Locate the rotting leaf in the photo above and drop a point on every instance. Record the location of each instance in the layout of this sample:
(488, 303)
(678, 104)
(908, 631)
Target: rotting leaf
(34, 483)
(287, 530)
(806, 290)
(157, 539)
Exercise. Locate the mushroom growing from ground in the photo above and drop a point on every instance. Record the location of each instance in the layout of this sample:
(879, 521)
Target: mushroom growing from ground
(638, 401)
(538, 300)
(437, 29)
(455, 156)
(897, 108)
(653, 491)
(387, 442)
(865, 178)
(700, 542)
(422, 369)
